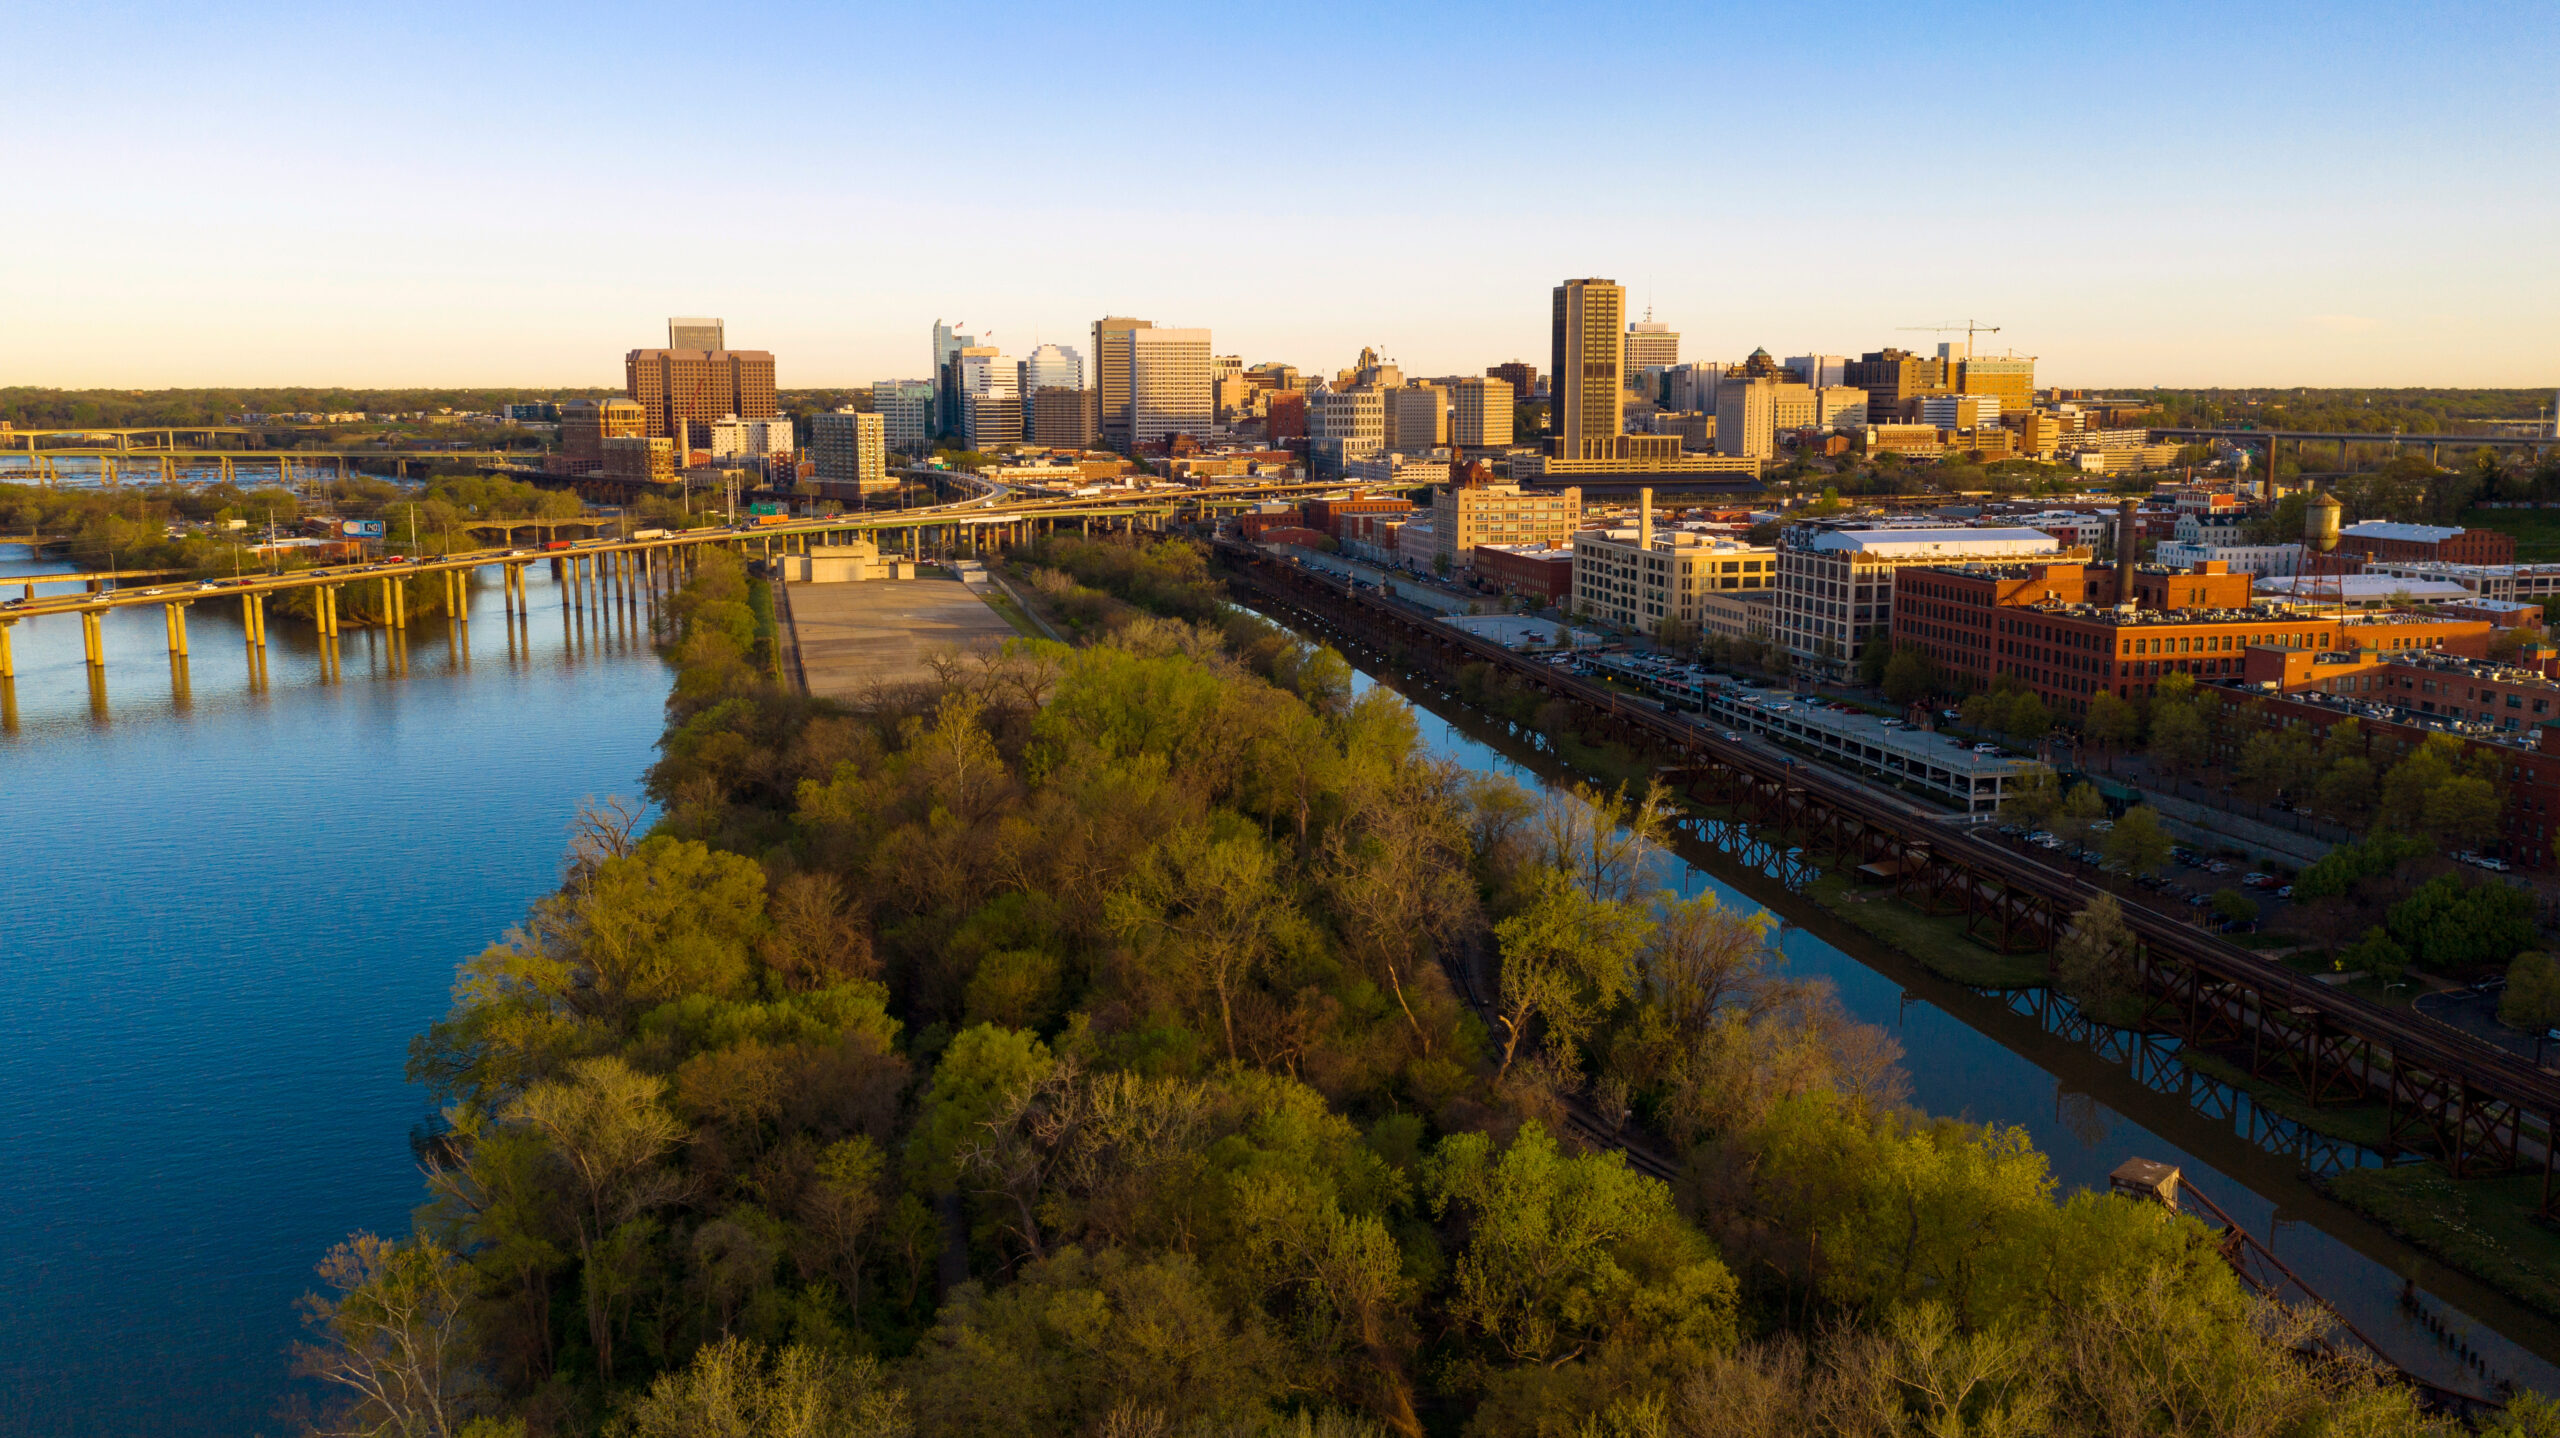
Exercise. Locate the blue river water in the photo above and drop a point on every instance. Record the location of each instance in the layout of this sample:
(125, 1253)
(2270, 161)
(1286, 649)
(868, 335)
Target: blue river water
(223, 913)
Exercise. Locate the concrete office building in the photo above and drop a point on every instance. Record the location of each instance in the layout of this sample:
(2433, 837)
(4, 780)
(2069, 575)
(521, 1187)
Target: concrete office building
(585, 424)
(1891, 376)
(2260, 561)
(1466, 515)
(1819, 371)
(1415, 417)
(1523, 378)
(1113, 354)
(1353, 418)
(2011, 381)
(1835, 585)
(696, 334)
(683, 391)
(1170, 382)
(734, 439)
(851, 449)
(991, 419)
(1637, 576)
(1652, 345)
(1064, 418)
(905, 407)
(1587, 368)
(648, 458)
(1482, 414)
(1960, 411)
(1839, 406)
(1751, 413)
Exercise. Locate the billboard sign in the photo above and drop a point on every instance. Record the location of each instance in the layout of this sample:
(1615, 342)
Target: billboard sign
(360, 528)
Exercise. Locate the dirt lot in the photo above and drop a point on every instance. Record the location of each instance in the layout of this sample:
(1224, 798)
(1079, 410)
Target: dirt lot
(857, 640)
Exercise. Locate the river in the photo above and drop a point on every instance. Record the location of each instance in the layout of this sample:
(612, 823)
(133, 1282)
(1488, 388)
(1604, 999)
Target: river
(222, 916)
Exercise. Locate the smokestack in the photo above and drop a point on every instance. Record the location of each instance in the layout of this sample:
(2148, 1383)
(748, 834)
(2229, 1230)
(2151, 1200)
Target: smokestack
(1644, 519)
(2125, 548)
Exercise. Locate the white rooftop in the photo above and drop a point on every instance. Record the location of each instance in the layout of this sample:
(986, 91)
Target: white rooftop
(1934, 542)
(2385, 529)
(2357, 589)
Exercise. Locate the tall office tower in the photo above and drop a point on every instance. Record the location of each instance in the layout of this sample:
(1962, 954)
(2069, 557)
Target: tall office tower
(683, 391)
(1523, 378)
(905, 407)
(1482, 417)
(1226, 366)
(1890, 376)
(1415, 418)
(585, 424)
(1820, 371)
(1652, 344)
(1049, 367)
(1587, 367)
(1112, 353)
(947, 340)
(1061, 418)
(979, 372)
(695, 335)
(1169, 391)
(2011, 381)
(850, 447)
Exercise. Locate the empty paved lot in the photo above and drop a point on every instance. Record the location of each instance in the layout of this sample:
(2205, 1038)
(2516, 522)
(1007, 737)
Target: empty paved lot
(857, 639)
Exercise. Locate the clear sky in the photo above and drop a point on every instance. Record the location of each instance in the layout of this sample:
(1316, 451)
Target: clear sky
(2221, 193)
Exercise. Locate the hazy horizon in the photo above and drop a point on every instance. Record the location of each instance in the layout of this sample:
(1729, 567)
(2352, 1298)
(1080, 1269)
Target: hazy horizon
(2187, 196)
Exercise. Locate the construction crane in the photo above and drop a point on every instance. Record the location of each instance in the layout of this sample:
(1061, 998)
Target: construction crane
(1969, 327)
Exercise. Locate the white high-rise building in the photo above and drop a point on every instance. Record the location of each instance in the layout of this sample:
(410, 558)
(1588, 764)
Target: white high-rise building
(905, 407)
(1835, 586)
(1820, 371)
(1171, 379)
(1049, 367)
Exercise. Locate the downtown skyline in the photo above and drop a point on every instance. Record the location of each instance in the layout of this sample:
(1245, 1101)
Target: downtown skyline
(2180, 197)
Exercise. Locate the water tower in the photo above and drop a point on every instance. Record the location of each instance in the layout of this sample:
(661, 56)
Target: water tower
(2319, 537)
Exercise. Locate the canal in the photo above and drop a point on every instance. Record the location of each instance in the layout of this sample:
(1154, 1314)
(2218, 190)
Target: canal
(1969, 1055)
(224, 911)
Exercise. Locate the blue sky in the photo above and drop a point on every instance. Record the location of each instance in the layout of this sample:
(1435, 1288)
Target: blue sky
(2234, 194)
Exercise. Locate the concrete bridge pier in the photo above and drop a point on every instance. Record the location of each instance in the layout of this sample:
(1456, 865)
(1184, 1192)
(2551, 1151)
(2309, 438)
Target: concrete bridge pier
(91, 644)
(324, 610)
(400, 604)
(8, 656)
(176, 620)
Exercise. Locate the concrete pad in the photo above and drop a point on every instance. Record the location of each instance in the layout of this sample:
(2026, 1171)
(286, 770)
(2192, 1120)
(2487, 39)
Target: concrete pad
(860, 643)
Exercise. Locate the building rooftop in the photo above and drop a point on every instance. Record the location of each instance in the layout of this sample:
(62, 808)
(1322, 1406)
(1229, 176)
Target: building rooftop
(1930, 540)
(2385, 529)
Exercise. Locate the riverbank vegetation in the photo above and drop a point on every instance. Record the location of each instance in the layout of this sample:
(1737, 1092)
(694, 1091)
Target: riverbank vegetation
(1093, 1048)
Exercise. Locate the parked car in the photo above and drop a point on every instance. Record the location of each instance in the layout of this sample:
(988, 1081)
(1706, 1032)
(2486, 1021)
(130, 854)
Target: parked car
(1731, 737)
(2285, 892)
(2102, 826)
(2258, 881)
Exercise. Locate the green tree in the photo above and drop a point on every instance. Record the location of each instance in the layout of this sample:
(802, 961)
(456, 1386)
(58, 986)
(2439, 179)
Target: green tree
(2179, 740)
(738, 1389)
(1875, 655)
(1208, 898)
(2137, 844)
(1565, 956)
(2032, 798)
(2094, 960)
(1910, 675)
(2111, 722)
(1565, 1253)
(607, 1131)
(2234, 906)
(2345, 790)
(2532, 998)
(2080, 808)
(2375, 954)
(2028, 720)
(2462, 811)
(2276, 762)
(394, 1349)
